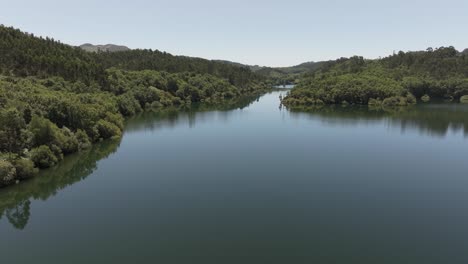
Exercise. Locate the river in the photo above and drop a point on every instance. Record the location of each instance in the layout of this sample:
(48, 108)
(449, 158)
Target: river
(254, 183)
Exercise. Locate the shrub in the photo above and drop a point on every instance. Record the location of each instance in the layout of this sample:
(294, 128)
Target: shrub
(69, 142)
(107, 129)
(375, 102)
(24, 168)
(43, 130)
(115, 119)
(128, 105)
(57, 152)
(393, 101)
(83, 139)
(410, 99)
(43, 157)
(425, 98)
(7, 172)
(464, 99)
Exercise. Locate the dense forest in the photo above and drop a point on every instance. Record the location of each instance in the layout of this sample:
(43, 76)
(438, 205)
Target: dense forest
(399, 79)
(56, 99)
(281, 75)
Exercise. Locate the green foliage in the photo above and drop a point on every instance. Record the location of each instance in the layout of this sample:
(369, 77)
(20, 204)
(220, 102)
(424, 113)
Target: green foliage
(353, 88)
(24, 168)
(374, 102)
(128, 105)
(439, 73)
(25, 55)
(398, 101)
(12, 127)
(7, 172)
(68, 141)
(140, 60)
(107, 129)
(425, 98)
(43, 130)
(57, 99)
(43, 157)
(83, 139)
(464, 99)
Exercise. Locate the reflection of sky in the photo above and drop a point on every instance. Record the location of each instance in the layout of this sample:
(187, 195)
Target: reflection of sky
(260, 182)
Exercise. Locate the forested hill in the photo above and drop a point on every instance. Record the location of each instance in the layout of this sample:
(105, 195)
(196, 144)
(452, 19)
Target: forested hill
(24, 54)
(434, 73)
(137, 60)
(281, 75)
(56, 99)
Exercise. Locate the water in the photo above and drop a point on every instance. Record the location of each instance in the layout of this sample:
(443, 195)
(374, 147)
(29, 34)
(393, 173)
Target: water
(253, 183)
(286, 86)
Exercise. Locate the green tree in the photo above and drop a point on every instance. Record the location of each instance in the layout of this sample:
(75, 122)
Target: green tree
(12, 125)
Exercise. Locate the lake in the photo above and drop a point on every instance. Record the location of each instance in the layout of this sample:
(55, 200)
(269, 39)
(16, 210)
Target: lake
(254, 183)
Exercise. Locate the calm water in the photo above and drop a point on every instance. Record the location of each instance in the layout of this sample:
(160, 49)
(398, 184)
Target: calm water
(253, 183)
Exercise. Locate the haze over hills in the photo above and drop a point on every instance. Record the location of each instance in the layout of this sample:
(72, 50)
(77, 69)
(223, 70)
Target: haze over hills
(306, 66)
(108, 47)
(281, 75)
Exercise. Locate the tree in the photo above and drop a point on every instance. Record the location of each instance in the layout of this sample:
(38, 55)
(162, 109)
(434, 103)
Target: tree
(18, 215)
(12, 125)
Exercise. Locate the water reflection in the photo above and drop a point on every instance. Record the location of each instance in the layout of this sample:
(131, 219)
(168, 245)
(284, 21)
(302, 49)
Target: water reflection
(435, 120)
(195, 113)
(15, 201)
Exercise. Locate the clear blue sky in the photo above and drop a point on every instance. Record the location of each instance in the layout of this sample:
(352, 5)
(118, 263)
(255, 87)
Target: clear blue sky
(273, 33)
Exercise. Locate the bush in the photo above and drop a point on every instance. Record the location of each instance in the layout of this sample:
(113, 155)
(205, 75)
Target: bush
(375, 102)
(394, 101)
(24, 168)
(464, 99)
(7, 172)
(128, 105)
(83, 140)
(43, 130)
(409, 99)
(43, 157)
(69, 143)
(115, 119)
(57, 152)
(425, 98)
(107, 129)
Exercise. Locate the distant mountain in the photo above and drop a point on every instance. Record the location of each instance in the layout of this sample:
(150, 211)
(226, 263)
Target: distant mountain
(465, 52)
(281, 75)
(301, 68)
(109, 47)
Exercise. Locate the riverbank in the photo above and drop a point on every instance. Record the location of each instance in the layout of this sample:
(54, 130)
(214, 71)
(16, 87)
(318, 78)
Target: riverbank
(184, 184)
(41, 123)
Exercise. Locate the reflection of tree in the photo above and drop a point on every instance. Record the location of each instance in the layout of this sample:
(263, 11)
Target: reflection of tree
(196, 112)
(430, 119)
(18, 215)
(15, 200)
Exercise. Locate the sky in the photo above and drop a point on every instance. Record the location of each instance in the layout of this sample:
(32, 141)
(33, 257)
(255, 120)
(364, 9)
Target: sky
(255, 32)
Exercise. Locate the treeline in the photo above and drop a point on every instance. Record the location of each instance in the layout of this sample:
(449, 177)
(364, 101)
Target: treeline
(137, 60)
(397, 79)
(24, 54)
(15, 202)
(49, 109)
